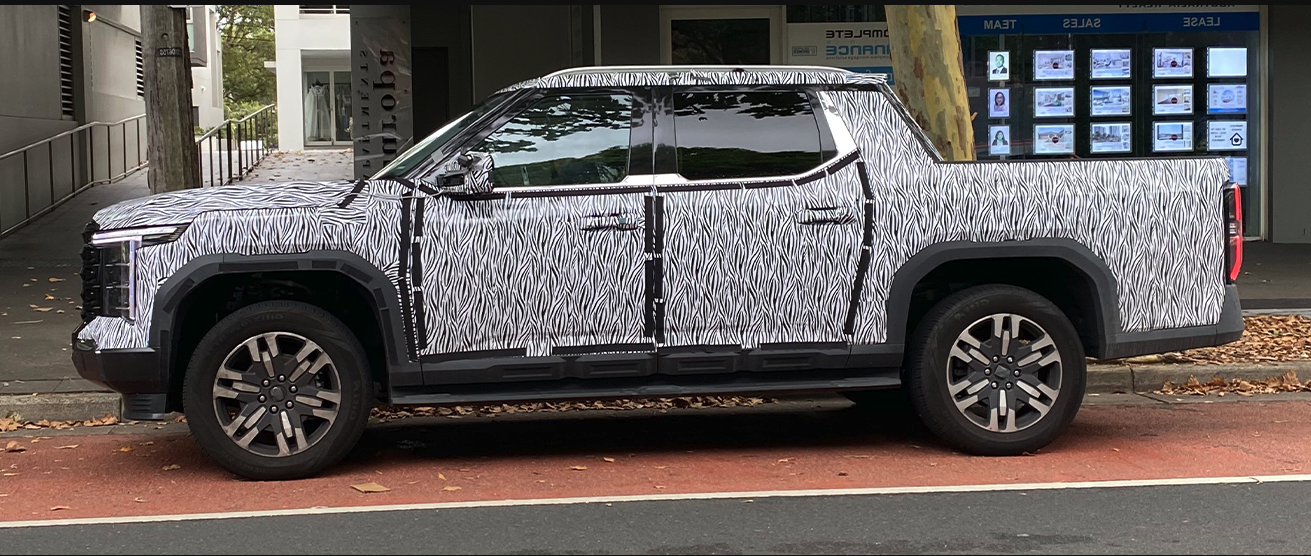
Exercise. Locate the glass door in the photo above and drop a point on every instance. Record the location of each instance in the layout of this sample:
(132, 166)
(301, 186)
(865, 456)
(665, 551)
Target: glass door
(327, 108)
(720, 35)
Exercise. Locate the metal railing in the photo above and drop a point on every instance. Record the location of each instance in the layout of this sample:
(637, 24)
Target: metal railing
(229, 151)
(59, 170)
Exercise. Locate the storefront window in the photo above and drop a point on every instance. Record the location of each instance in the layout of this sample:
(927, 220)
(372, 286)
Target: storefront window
(834, 14)
(1117, 85)
(327, 108)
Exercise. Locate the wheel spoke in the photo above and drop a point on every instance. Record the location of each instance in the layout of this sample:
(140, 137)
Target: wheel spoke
(1033, 351)
(1010, 421)
(1036, 387)
(246, 412)
(298, 431)
(318, 395)
(967, 402)
(271, 341)
(305, 369)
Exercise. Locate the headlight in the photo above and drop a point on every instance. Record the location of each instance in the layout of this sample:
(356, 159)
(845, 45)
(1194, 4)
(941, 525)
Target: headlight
(115, 256)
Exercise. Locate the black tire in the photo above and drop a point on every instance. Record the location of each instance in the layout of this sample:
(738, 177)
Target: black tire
(318, 442)
(929, 380)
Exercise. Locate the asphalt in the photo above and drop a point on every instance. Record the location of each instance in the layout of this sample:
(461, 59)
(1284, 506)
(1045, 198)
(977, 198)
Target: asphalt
(39, 264)
(1207, 519)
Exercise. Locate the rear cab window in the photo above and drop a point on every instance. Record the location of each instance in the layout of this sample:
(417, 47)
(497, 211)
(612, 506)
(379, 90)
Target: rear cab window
(747, 134)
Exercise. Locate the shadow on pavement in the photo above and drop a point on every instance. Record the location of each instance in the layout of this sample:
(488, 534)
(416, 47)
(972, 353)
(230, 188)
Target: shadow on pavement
(803, 423)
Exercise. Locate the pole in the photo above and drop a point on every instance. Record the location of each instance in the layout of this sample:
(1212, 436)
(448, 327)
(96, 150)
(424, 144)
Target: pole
(170, 147)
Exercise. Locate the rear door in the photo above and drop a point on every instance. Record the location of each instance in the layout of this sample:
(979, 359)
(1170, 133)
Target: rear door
(761, 221)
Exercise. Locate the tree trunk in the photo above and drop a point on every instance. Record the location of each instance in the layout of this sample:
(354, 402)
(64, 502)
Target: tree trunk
(930, 75)
(171, 143)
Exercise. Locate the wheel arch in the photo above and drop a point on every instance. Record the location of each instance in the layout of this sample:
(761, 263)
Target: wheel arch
(167, 316)
(1097, 276)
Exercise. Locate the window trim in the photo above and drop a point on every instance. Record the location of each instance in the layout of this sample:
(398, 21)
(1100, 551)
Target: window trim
(668, 145)
(639, 177)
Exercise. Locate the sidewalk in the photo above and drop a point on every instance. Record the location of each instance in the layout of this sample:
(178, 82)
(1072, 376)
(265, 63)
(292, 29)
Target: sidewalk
(40, 291)
(39, 266)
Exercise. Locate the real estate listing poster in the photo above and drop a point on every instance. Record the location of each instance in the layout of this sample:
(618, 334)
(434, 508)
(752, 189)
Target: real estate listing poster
(1172, 99)
(1110, 101)
(1053, 65)
(1111, 138)
(1226, 135)
(1172, 62)
(1226, 98)
(1237, 169)
(1053, 139)
(1053, 102)
(1172, 136)
(1110, 64)
(1226, 62)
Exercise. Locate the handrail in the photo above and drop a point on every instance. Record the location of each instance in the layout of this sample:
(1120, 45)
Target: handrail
(228, 162)
(53, 177)
(66, 134)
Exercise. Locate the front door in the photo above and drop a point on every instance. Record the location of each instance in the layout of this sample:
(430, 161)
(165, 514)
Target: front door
(553, 261)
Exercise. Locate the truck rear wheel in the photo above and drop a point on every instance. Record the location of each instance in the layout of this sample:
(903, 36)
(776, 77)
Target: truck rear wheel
(996, 370)
(278, 390)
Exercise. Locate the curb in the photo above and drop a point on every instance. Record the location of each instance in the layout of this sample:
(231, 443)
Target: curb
(79, 406)
(1129, 377)
(1103, 378)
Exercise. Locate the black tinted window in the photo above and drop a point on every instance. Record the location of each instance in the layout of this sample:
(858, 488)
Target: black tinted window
(745, 134)
(563, 140)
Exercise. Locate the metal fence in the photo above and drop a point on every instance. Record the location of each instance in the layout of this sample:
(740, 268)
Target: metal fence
(39, 177)
(229, 151)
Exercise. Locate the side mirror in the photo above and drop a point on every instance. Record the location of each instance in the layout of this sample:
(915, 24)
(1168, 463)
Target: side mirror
(475, 169)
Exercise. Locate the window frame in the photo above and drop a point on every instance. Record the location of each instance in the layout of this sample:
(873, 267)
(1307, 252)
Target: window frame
(639, 151)
(666, 159)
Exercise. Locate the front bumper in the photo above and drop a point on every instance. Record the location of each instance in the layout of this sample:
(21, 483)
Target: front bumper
(138, 374)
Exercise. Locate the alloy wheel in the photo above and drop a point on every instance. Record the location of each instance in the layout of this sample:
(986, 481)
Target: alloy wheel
(1004, 373)
(277, 394)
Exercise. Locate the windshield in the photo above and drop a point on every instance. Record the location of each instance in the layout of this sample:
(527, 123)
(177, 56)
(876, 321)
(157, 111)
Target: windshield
(424, 149)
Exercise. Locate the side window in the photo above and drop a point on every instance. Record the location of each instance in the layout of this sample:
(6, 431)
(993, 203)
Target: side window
(563, 140)
(745, 134)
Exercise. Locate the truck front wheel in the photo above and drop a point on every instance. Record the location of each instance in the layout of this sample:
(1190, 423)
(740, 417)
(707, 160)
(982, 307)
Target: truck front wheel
(278, 390)
(996, 370)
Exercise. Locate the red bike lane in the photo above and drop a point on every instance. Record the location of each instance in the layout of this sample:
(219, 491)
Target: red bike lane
(105, 475)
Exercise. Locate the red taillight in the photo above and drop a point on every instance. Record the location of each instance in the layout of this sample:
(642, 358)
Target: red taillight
(1233, 207)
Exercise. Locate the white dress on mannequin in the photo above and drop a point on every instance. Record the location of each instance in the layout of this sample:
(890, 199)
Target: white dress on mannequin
(318, 115)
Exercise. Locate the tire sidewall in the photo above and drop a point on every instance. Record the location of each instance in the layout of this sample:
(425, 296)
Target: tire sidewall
(278, 316)
(934, 341)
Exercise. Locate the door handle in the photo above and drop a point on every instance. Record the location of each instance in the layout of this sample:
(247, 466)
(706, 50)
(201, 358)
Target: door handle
(813, 216)
(621, 222)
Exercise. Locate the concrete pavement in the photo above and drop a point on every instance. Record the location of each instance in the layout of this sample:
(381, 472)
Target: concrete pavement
(795, 446)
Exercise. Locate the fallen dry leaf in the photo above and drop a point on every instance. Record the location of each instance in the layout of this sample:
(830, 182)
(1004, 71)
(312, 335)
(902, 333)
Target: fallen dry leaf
(49, 297)
(172, 467)
(53, 279)
(442, 477)
(138, 499)
(579, 468)
(149, 443)
(42, 309)
(57, 508)
(610, 460)
(450, 488)
(13, 446)
(125, 449)
(370, 487)
(1287, 382)
(68, 447)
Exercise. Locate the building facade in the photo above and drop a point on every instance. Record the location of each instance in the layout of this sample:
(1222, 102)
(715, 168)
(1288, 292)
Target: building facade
(205, 44)
(1082, 81)
(313, 68)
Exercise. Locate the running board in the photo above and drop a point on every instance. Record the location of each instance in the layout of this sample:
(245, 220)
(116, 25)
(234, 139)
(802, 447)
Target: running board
(674, 386)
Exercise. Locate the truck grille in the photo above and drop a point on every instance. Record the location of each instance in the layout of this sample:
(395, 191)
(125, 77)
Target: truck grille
(91, 282)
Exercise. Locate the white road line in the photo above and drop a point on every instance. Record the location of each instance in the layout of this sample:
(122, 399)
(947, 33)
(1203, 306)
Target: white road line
(320, 510)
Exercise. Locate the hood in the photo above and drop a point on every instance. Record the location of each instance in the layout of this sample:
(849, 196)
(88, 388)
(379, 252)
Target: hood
(181, 207)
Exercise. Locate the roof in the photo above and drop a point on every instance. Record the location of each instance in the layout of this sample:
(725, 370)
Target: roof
(639, 76)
